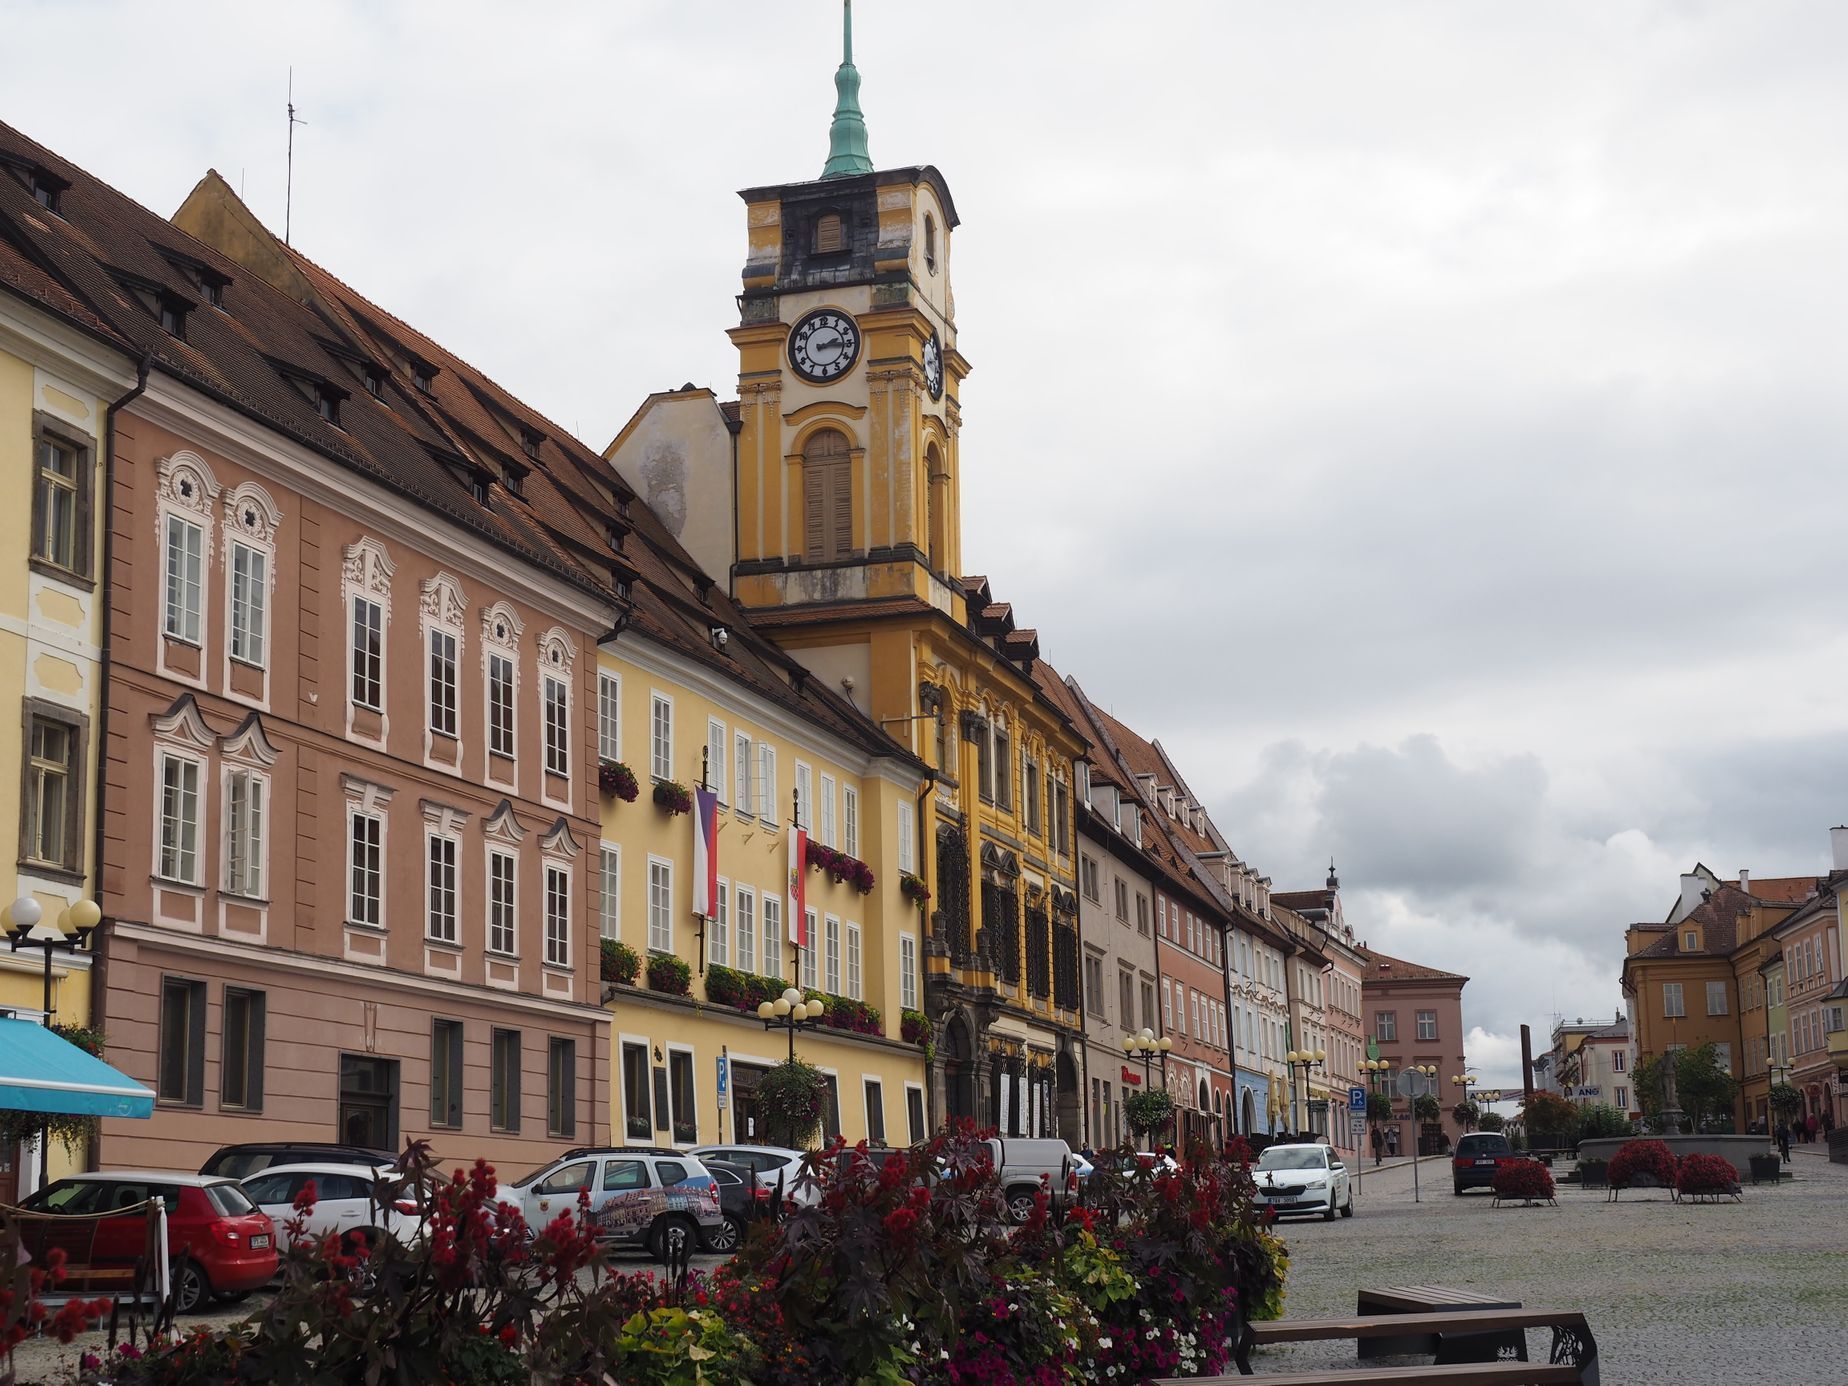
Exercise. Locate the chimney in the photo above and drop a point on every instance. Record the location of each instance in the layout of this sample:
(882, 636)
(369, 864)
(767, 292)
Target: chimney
(1838, 848)
(1692, 884)
(1745, 880)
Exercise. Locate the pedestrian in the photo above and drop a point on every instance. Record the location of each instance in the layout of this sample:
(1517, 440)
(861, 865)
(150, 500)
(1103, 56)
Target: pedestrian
(1392, 1142)
(1828, 1122)
(1783, 1140)
(1379, 1144)
(1810, 1127)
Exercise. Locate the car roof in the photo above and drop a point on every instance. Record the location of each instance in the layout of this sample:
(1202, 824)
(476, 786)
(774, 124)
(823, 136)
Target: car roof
(326, 1147)
(583, 1152)
(1298, 1145)
(147, 1176)
(323, 1167)
(782, 1150)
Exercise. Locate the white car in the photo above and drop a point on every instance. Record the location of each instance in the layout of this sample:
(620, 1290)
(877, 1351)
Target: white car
(343, 1201)
(1303, 1179)
(771, 1164)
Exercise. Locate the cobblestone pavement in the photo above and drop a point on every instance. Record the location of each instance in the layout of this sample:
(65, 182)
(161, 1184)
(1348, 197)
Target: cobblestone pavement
(1755, 1291)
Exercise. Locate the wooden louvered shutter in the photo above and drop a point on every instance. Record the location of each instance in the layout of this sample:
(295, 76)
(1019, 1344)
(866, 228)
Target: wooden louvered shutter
(815, 479)
(841, 505)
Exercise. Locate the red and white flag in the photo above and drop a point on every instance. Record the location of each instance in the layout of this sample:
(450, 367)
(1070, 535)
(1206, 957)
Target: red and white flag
(705, 853)
(797, 908)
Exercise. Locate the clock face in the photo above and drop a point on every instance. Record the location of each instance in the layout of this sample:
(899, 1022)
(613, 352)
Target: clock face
(933, 366)
(824, 345)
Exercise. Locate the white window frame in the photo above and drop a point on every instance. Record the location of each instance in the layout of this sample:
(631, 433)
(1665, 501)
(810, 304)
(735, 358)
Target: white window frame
(805, 797)
(503, 935)
(716, 744)
(907, 836)
(609, 897)
(174, 854)
(609, 715)
(744, 929)
(660, 937)
(556, 914)
(770, 933)
(768, 808)
(377, 873)
(247, 639)
(907, 971)
(501, 628)
(1717, 990)
(183, 611)
(255, 854)
(660, 735)
(555, 719)
(1674, 1004)
(831, 955)
(356, 657)
(743, 798)
(850, 820)
(454, 845)
(809, 969)
(719, 949)
(442, 681)
(828, 811)
(856, 969)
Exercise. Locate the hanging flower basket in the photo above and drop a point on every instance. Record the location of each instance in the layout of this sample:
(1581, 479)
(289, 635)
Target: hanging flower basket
(672, 799)
(914, 1027)
(1149, 1111)
(913, 889)
(617, 781)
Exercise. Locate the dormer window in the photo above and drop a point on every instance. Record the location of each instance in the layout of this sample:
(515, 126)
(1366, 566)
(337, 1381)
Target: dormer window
(1690, 941)
(375, 379)
(172, 315)
(830, 233)
(327, 405)
(478, 486)
(530, 441)
(212, 291)
(48, 190)
(423, 377)
(514, 479)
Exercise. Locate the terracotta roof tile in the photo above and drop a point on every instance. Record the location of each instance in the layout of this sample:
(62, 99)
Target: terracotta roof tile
(1383, 967)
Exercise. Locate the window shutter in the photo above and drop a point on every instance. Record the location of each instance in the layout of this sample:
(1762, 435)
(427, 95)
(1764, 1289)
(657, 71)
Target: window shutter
(841, 505)
(814, 503)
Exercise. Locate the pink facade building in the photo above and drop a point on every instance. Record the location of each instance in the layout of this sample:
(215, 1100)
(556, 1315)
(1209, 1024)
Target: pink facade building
(1414, 1014)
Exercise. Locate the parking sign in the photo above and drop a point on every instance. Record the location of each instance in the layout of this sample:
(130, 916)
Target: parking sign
(724, 1083)
(1357, 1099)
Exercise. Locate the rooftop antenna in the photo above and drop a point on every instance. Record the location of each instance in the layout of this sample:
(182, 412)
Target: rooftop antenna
(288, 194)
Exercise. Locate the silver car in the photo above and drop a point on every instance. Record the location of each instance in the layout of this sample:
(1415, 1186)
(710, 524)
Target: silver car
(772, 1164)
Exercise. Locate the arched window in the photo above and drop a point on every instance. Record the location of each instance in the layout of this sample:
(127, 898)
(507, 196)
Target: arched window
(827, 497)
(936, 505)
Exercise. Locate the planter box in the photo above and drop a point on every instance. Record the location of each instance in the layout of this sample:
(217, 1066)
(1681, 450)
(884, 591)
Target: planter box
(1594, 1174)
(1766, 1167)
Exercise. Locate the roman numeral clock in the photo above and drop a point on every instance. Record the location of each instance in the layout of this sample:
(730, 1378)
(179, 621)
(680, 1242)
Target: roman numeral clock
(824, 345)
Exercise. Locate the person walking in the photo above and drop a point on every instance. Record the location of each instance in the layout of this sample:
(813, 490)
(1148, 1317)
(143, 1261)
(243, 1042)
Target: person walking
(1392, 1142)
(1379, 1144)
(1783, 1140)
(1810, 1127)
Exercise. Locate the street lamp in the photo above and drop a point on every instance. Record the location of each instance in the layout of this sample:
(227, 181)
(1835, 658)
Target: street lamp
(71, 934)
(1306, 1060)
(790, 1012)
(1144, 1045)
(1466, 1081)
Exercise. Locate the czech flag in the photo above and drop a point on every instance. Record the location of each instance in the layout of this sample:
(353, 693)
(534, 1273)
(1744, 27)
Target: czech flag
(705, 853)
(797, 908)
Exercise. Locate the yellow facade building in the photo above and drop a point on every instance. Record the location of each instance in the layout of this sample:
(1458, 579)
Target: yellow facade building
(828, 500)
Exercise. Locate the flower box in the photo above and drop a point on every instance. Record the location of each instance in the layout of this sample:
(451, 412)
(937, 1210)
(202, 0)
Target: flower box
(1528, 1181)
(1642, 1164)
(669, 975)
(672, 799)
(913, 889)
(840, 867)
(1700, 1176)
(619, 963)
(617, 781)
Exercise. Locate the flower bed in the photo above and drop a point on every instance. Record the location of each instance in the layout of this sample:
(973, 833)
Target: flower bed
(903, 1271)
(1706, 1176)
(1642, 1164)
(1528, 1180)
(619, 962)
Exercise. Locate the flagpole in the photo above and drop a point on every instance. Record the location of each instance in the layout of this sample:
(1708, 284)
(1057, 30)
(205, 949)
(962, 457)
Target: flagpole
(795, 925)
(705, 756)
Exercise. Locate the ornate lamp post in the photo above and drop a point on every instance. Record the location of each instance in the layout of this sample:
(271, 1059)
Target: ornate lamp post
(71, 934)
(1375, 1070)
(790, 1012)
(1465, 1081)
(1144, 1045)
(1306, 1060)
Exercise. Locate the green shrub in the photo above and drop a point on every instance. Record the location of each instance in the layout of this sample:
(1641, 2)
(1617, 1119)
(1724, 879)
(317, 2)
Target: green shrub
(669, 974)
(620, 962)
(1603, 1121)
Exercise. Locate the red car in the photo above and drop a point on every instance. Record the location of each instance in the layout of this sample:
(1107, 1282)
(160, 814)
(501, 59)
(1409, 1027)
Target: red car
(222, 1245)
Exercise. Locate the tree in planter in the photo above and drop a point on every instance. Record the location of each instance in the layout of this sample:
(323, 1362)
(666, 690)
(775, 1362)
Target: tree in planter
(1427, 1109)
(789, 1099)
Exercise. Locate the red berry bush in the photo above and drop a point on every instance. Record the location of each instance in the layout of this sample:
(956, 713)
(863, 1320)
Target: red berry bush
(1706, 1174)
(1524, 1179)
(1650, 1158)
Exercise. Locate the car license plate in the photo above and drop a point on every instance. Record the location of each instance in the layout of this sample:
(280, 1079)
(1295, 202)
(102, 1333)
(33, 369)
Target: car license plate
(1485, 1162)
(260, 1242)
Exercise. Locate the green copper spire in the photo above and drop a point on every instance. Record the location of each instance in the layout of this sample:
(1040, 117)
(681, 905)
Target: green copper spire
(847, 135)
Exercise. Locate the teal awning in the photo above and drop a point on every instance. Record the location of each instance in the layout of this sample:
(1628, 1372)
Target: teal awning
(41, 1071)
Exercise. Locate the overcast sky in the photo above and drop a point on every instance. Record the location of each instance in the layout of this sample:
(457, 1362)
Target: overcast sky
(1426, 419)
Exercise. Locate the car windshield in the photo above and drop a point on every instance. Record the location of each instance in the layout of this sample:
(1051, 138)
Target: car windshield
(1292, 1157)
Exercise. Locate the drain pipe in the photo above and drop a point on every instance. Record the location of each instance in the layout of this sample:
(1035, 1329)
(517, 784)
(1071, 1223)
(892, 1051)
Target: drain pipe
(99, 961)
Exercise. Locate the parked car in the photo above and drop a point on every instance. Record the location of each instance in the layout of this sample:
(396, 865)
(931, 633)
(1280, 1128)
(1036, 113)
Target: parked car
(770, 1163)
(1025, 1166)
(741, 1200)
(242, 1161)
(223, 1246)
(1303, 1179)
(639, 1195)
(1477, 1156)
(343, 1202)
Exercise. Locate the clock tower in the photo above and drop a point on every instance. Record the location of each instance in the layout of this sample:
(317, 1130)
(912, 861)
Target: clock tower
(848, 380)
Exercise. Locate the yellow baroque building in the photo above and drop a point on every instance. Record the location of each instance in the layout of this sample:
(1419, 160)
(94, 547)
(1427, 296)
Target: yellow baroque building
(828, 498)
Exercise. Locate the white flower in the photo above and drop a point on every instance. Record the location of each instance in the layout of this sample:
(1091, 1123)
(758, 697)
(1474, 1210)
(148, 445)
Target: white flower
(1103, 1342)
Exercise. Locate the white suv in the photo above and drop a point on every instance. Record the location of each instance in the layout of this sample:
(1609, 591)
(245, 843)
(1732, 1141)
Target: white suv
(772, 1164)
(1303, 1179)
(639, 1195)
(343, 1201)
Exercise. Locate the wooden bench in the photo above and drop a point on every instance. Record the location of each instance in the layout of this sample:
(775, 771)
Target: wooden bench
(1423, 1299)
(39, 1234)
(1469, 1344)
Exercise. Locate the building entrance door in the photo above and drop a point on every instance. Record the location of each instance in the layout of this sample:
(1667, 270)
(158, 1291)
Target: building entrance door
(369, 1101)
